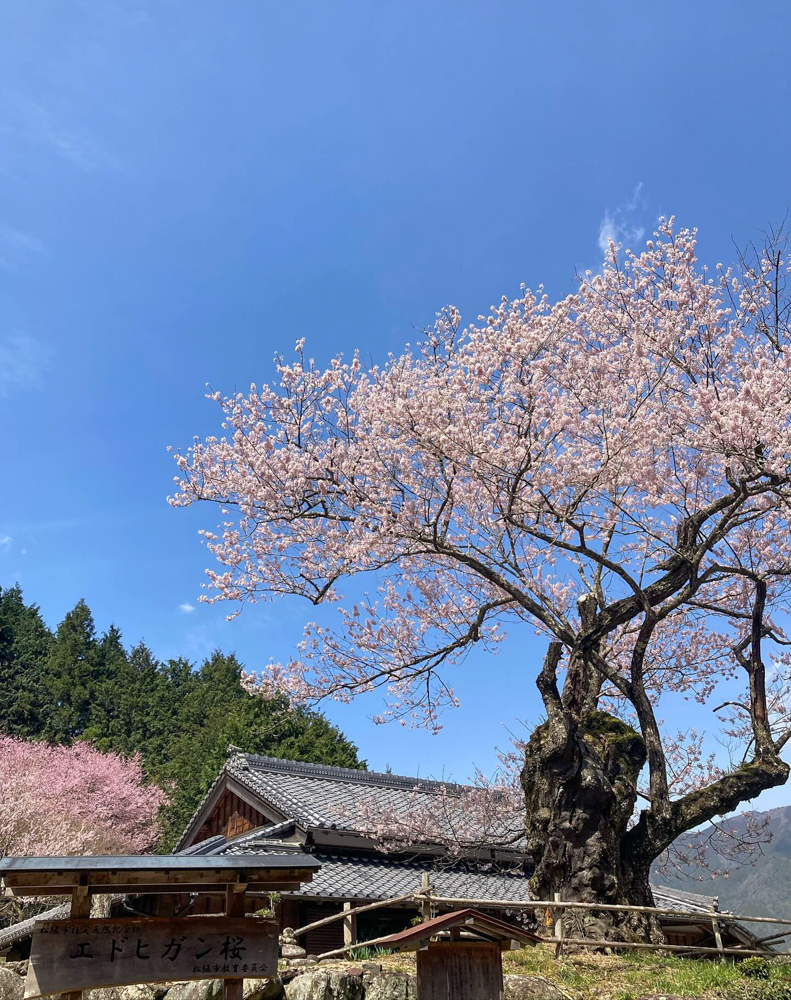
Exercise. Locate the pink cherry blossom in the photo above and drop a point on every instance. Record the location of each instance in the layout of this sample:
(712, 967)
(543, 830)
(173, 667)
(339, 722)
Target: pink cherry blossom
(625, 449)
(73, 800)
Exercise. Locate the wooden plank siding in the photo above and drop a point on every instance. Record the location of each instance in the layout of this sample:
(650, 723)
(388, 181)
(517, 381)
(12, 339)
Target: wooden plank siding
(460, 970)
(323, 938)
(230, 817)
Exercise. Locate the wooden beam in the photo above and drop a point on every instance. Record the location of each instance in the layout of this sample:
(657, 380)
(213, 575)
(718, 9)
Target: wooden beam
(235, 906)
(80, 907)
(205, 888)
(146, 879)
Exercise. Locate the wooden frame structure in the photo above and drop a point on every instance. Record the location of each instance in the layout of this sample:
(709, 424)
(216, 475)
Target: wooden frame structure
(459, 955)
(242, 881)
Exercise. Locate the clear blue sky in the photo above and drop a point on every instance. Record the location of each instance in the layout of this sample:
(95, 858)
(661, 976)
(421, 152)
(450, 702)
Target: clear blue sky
(186, 187)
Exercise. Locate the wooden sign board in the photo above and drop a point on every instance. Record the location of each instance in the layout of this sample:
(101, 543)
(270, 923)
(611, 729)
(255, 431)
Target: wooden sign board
(68, 955)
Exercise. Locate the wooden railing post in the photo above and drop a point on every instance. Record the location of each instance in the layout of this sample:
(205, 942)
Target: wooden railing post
(715, 926)
(80, 907)
(558, 928)
(425, 889)
(349, 924)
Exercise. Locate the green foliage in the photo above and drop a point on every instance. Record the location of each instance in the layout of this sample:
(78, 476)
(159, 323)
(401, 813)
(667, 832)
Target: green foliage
(269, 911)
(25, 642)
(629, 975)
(365, 954)
(777, 987)
(71, 674)
(755, 967)
(75, 685)
(216, 712)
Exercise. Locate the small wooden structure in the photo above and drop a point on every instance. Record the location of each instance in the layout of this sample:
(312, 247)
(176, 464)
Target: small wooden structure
(459, 955)
(78, 952)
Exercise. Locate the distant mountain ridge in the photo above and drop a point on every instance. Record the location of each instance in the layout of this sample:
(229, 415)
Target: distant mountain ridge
(761, 888)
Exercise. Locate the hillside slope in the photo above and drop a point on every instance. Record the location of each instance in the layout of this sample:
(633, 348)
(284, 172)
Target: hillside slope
(760, 888)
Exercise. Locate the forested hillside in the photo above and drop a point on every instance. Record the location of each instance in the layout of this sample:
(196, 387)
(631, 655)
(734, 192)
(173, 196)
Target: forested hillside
(759, 888)
(75, 684)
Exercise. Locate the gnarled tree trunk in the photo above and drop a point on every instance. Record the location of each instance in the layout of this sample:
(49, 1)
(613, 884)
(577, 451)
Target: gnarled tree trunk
(580, 784)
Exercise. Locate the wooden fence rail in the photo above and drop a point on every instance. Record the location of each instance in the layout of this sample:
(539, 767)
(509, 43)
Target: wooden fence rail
(648, 945)
(523, 904)
(428, 898)
(409, 897)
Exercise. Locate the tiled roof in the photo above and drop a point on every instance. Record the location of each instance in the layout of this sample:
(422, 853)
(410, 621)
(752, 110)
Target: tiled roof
(16, 932)
(204, 847)
(10, 935)
(372, 876)
(678, 899)
(377, 876)
(316, 795)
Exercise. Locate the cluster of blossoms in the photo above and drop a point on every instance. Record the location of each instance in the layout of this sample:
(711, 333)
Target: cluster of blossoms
(628, 445)
(73, 800)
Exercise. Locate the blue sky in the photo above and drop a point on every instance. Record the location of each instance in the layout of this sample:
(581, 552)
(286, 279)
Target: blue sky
(187, 187)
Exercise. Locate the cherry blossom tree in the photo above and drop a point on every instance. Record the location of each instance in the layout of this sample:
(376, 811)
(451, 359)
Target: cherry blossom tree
(59, 800)
(611, 471)
(73, 800)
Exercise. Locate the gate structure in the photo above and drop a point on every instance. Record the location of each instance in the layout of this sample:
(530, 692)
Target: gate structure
(77, 953)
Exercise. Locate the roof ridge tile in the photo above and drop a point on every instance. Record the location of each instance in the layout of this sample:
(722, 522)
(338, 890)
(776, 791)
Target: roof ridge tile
(330, 771)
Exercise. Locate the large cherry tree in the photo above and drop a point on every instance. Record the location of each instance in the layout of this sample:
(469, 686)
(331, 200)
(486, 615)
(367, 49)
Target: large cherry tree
(612, 471)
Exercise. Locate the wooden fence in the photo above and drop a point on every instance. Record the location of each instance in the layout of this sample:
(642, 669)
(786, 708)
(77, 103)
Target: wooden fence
(427, 899)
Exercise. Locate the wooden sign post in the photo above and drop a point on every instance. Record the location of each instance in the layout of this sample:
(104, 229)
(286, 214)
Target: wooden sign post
(71, 955)
(459, 955)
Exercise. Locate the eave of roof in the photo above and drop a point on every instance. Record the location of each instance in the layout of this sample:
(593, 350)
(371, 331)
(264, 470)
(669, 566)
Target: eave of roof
(477, 923)
(151, 862)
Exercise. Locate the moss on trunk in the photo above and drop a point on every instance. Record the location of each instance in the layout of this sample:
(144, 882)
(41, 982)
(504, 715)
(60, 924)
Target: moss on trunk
(580, 790)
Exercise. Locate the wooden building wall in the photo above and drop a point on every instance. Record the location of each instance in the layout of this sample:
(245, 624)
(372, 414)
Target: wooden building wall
(325, 938)
(231, 816)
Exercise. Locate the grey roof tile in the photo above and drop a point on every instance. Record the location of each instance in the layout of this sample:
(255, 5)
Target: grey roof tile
(204, 847)
(679, 899)
(372, 876)
(377, 876)
(15, 932)
(316, 795)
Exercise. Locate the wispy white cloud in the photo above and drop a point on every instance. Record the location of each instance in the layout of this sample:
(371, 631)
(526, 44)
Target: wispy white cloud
(16, 246)
(187, 608)
(22, 361)
(5, 542)
(52, 130)
(620, 225)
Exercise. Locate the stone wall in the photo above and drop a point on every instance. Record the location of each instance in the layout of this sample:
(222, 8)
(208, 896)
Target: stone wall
(317, 983)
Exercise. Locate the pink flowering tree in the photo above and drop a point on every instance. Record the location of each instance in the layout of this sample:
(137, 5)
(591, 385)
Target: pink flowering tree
(611, 471)
(59, 800)
(73, 800)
